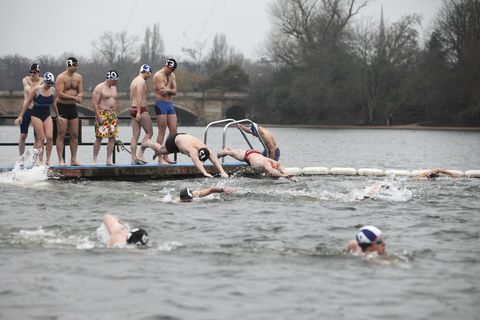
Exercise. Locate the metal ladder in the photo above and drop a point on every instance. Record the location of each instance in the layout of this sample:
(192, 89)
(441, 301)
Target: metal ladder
(229, 123)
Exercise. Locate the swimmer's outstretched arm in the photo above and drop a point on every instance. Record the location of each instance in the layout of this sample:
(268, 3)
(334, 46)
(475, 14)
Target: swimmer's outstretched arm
(193, 153)
(205, 192)
(213, 159)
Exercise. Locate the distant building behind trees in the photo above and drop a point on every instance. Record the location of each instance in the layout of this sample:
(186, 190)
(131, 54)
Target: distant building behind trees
(323, 64)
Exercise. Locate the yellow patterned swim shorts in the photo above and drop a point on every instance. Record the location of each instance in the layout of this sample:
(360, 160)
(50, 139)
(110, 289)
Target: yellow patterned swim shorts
(109, 126)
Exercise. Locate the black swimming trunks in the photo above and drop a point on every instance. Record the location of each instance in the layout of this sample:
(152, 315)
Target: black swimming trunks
(170, 144)
(67, 111)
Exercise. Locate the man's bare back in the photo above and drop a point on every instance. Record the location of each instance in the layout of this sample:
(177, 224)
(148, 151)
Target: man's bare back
(138, 92)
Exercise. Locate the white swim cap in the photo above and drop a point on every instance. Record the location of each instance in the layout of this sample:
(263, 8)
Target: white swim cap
(366, 235)
(145, 68)
(112, 75)
(254, 128)
(49, 78)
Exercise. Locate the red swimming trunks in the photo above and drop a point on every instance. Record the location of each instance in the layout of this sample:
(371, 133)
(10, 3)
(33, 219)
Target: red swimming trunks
(248, 153)
(133, 111)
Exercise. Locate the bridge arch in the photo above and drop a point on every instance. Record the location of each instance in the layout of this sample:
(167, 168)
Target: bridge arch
(236, 112)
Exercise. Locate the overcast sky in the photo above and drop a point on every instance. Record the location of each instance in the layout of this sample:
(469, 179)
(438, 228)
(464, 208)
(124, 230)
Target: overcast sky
(33, 28)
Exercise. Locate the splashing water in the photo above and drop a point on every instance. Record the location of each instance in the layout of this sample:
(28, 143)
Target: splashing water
(26, 172)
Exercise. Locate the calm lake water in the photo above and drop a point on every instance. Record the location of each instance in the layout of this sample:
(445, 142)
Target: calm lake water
(271, 250)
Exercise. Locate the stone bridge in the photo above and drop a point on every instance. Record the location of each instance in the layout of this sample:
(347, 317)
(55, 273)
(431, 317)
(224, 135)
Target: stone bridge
(193, 108)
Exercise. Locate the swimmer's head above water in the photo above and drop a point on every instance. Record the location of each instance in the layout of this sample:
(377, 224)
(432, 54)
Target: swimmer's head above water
(370, 239)
(137, 236)
(186, 195)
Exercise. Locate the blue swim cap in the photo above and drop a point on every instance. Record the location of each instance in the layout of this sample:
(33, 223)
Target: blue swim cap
(366, 235)
(145, 68)
(254, 129)
(49, 78)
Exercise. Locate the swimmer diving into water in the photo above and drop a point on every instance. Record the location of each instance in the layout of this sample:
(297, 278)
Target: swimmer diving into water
(257, 161)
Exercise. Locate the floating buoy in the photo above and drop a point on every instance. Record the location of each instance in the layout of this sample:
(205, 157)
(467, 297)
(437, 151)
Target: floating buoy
(294, 171)
(315, 170)
(344, 171)
(370, 172)
(472, 173)
(404, 173)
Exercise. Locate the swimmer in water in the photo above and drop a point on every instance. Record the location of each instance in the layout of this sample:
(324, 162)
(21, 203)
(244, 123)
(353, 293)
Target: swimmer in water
(187, 195)
(119, 233)
(368, 239)
(435, 173)
(257, 161)
(373, 191)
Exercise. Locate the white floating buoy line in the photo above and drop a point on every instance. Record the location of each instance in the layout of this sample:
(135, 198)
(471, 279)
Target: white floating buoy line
(311, 171)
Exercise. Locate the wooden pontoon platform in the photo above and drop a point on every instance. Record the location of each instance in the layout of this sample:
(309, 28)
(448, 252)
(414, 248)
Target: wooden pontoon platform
(139, 172)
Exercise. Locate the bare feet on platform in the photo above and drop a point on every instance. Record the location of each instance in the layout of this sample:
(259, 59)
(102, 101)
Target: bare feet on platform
(139, 161)
(166, 160)
(75, 163)
(61, 163)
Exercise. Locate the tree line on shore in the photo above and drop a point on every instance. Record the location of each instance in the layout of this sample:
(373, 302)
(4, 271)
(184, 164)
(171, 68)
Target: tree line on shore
(322, 63)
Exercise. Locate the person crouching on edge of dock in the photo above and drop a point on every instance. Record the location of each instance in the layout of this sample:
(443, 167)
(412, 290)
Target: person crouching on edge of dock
(190, 146)
(106, 107)
(257, 161)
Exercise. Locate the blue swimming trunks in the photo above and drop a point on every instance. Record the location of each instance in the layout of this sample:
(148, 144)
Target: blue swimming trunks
(277, 154)
(164, 107)
(25, 121)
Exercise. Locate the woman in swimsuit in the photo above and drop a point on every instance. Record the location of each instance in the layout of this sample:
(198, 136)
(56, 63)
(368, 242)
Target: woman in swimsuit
(43, 97)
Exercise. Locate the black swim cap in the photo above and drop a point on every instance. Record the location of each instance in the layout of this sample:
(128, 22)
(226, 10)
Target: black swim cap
(35, 67)
(72, 61)
(203, 154)
(112, 75)
(186, 194)
(138, 236)
(171, 63)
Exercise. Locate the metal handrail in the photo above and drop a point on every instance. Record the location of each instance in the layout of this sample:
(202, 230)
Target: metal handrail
(231, 122)
(118, 143)
(241, 131)
(211, 124)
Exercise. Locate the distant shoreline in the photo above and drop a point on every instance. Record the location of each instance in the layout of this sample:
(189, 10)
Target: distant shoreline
(413, 126)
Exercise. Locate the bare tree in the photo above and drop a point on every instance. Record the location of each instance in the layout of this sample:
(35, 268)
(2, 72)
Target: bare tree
(152, 49)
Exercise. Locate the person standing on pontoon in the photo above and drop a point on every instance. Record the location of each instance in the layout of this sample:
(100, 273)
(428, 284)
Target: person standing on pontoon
(70, 92)
(267, 137)
(105, 106)
(29, 83)
(258, 161)
(43, 96)
(165, 88)
(139, 113)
